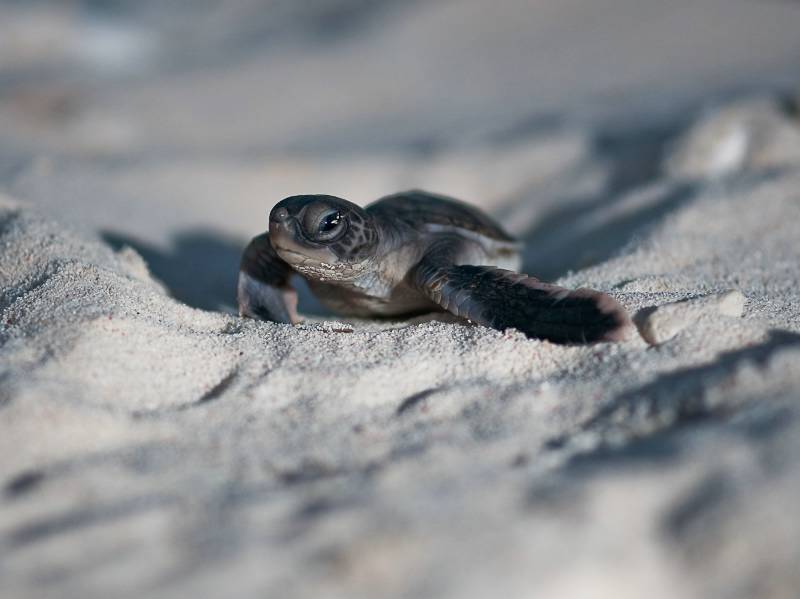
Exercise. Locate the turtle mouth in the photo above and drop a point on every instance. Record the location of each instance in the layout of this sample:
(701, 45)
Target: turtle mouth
(287, 253)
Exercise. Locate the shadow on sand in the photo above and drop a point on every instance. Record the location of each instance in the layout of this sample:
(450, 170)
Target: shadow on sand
(201, 269)
(574, 235)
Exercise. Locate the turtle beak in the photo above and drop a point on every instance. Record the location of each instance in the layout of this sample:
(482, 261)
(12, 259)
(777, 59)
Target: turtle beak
(282, 227)
(279, 215)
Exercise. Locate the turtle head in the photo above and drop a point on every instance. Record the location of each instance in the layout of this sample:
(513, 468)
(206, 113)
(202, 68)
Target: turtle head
(322, 235)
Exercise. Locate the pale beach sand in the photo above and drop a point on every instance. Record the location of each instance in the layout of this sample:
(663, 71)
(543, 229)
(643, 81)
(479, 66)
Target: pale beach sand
(154, 444)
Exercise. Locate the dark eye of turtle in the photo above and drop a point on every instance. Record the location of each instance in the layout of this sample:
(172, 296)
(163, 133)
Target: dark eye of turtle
(329, 222)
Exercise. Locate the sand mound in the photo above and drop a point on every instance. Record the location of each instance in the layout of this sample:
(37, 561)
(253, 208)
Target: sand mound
(153, 444)
(155, 447)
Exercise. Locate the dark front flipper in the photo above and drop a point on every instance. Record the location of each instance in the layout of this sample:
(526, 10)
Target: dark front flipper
(503, 299)
(264, 291)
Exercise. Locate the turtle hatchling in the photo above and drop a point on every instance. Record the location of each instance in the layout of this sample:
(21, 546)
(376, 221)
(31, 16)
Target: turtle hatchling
(410, 253)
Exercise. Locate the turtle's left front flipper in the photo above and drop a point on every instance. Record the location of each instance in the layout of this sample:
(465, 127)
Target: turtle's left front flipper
(504, 299)
(264, 291)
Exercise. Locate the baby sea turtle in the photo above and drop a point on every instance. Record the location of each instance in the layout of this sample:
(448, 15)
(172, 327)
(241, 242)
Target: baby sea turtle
(408, 253)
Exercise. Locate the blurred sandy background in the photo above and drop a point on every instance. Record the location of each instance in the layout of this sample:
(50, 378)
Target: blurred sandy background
(210, 112)
(153, 444)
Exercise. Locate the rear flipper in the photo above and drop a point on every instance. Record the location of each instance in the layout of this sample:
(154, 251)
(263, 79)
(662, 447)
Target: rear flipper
(503, 299)
(264, 292)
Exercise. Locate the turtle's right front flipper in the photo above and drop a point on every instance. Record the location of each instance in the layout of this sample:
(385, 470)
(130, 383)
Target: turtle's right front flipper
(264, 291)
(504, 299)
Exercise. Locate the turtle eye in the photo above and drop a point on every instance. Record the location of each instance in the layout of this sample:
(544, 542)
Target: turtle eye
(324, 223)
(330, 221)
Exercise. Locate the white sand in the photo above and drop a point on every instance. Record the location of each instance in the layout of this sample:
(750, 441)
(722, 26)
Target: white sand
(151, 448)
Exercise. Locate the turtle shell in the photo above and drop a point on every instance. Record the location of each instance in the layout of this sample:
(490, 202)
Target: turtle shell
(419, 209)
